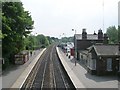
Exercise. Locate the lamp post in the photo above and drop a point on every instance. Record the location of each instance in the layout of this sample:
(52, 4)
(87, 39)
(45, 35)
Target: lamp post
(75, 49)
(34, 38)
(35, 44)
(60, 38)
(64, 34)
(74, 30)
(74, 41)
(64, 38)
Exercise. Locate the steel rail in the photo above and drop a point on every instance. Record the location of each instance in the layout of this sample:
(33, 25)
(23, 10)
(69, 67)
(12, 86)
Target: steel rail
(52, 69)
(46, 62)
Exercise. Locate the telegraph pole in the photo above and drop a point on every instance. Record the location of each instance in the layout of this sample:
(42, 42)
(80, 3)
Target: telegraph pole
(103, 14)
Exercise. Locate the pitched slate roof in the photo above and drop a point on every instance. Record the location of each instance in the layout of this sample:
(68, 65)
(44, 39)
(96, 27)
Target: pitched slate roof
(84, 52)
(106, 50)
(89, 37)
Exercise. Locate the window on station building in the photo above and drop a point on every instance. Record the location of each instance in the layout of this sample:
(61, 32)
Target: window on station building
(109, 64)
(94, 64)
(91, 63)
(88, 60)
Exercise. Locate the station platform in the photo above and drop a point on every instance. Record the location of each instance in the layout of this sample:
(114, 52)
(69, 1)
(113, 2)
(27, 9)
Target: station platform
(76, 82)
(78, 75)
(16, 75)
(81, 78)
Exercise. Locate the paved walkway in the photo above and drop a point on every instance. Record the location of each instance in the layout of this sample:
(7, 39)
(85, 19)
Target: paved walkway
(88, 80)
(11, 75)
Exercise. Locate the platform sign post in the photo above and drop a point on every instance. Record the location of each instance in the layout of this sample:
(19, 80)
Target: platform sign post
(75, 62)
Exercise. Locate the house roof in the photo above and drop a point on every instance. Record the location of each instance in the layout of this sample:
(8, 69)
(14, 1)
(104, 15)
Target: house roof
(84, 52)
(89, 37)
(106, 50)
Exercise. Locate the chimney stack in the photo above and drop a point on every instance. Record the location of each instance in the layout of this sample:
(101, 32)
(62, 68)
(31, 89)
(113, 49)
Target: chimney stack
(84, 34)
(100, 35)
(105, 41)
(94, 33)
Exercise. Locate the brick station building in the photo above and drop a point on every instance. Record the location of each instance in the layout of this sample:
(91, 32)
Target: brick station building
(103, 59)
(99, 57)
(84, 40)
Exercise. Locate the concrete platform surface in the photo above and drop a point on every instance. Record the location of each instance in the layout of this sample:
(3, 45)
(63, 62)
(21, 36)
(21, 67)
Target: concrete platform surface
(12, 75)
(76, 82)
(81, 75)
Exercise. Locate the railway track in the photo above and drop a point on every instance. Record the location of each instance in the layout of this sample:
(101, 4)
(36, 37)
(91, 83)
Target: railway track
(48, 73)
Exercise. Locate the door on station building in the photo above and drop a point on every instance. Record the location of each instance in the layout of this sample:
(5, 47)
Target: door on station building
(109, 64)
(117, 67)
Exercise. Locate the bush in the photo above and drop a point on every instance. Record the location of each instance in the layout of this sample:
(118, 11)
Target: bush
(43, 46)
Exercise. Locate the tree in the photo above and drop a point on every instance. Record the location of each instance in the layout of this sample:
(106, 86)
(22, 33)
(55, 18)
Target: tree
(67, 39)
(54, 39)
(43, 41)
(112, 34)
(49, 39)
(16, 25)
(119, 33)
(2, 35)
(29, 42)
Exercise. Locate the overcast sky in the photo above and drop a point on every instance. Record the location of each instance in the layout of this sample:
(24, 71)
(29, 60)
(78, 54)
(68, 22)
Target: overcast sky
(55, 17)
